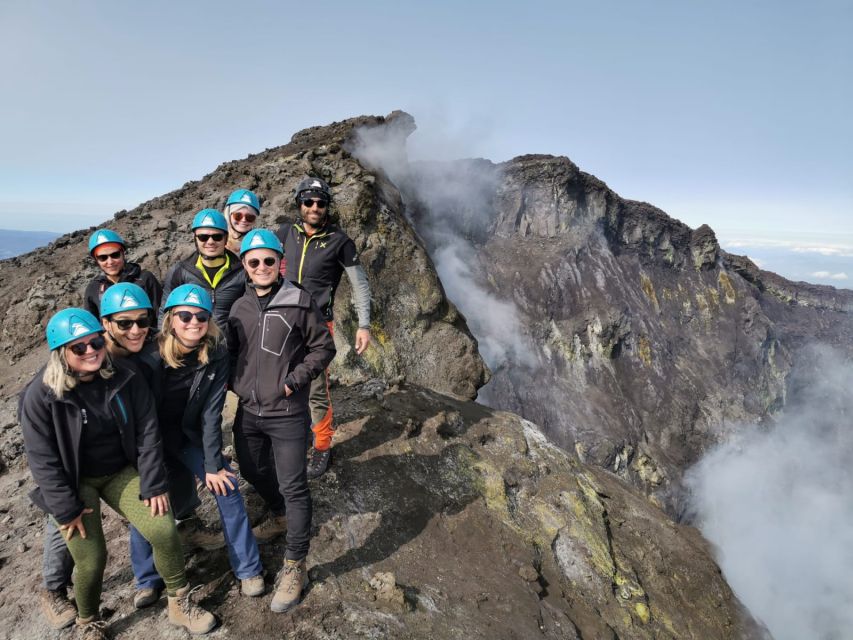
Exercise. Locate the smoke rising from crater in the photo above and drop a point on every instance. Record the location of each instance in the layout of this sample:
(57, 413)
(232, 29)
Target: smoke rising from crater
(449, 205)
(778, 505)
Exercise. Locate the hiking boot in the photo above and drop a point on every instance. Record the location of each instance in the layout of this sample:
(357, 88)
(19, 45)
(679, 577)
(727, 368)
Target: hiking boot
(270, 528)
(183, 612)
(253, 587)
(58, 610)
(291, 581)
(319, 462)
(194, 535)
(92, 628)
(145, 597)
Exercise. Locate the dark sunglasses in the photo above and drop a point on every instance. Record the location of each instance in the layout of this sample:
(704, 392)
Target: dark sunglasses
(309, 202)
(124, 325)
(187, 316)
(97, 343)
(239, 216)
(103, 257)
(255, 262)
(204, 237)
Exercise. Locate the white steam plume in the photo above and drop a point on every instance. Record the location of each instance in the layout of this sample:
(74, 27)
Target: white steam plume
(778, 505)
(453, 201)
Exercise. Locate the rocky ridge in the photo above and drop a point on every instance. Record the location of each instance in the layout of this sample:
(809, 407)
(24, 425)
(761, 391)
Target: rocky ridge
(441, 518)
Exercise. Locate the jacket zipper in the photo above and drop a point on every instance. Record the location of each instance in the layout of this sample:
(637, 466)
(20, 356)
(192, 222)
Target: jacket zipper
(305, 244)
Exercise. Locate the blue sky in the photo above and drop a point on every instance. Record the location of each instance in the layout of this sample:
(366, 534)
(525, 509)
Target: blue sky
(735, 114)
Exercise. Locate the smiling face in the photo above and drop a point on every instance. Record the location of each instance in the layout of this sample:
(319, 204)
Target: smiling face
(189, 330)
(207, 243)
(110, 258)
(262, 266)
(313, 206)
(133, 338)
(242, 218)
(91, 360)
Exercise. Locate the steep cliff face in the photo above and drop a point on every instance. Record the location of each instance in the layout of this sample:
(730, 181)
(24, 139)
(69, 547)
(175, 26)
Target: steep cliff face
(645, 341)
(418, 333)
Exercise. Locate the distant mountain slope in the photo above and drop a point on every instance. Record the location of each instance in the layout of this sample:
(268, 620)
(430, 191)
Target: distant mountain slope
(14, 243)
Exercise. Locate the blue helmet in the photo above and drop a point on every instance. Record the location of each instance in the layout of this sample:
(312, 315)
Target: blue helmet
(104, 236)
(190, 295)
(261, 239)
(211, 219)
(124, 296)
(244, 196)
(69, 324)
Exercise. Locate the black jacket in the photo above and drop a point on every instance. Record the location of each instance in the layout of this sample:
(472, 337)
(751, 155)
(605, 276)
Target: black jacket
(132, 273)
(227, 290)
(52, 432)
(202, 419)
(288, 343)
(317, 262)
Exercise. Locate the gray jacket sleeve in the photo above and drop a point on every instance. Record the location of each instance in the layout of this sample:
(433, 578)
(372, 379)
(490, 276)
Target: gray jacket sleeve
(360, 294)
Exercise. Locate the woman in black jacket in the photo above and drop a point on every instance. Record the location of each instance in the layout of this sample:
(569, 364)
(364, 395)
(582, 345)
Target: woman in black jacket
(190, 395)
(91, 434)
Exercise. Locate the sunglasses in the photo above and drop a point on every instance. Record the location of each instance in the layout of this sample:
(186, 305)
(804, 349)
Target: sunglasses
(239, 216)
(187, 316)
(124, 325)
(204, 237)
(254, 263)
(309, 202)
(81, 348)
(103, 257)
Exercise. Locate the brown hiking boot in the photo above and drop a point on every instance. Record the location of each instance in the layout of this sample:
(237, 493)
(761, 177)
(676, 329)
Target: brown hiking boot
(183, 612)
(92, 628)
(58, 610)
(145, 597)
(291, 581)
(253, 587)
(270, 528)
(194, 535)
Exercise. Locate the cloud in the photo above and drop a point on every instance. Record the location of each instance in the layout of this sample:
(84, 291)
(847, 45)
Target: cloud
(826, 275)
(776, 503)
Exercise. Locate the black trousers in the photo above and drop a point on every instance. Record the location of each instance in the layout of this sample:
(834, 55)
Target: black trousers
(281, 479)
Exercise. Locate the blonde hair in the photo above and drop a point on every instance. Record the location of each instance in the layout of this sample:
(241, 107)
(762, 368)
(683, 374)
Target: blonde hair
(59, 378)
(173, 352)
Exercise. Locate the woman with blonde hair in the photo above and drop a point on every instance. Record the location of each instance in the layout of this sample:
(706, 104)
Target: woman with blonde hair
(191, 394)
(90, 434)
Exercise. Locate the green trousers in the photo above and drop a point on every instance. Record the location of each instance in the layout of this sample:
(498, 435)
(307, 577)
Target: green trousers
(121, 492)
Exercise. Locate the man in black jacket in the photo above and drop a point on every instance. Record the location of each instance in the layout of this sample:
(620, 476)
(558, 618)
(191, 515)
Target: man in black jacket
(278, 343)
(108, 249)
(317, 253)
(212, 266)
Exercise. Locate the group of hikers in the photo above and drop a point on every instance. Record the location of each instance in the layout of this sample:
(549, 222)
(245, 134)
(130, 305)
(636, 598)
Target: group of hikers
(128, 408)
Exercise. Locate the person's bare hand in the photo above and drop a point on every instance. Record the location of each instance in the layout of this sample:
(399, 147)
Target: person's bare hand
(76, 524)
(362, 340)
(221, 481)
(159, 504)
(287, 391)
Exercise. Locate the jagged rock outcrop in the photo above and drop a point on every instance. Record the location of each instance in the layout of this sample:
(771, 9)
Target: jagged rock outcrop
(418, 333)
(441, 518)
(649, 342)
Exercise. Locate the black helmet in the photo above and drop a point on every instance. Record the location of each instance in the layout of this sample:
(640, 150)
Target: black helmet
(313, 187)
